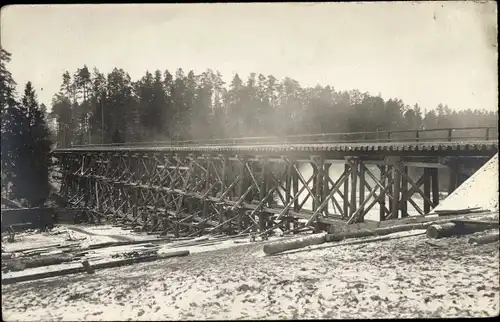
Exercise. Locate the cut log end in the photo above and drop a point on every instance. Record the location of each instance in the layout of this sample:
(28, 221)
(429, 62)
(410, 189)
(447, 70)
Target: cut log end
(442, 230)
(87, 267)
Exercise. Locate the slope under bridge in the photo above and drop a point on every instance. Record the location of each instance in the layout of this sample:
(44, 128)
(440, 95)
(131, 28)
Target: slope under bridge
(261, 184)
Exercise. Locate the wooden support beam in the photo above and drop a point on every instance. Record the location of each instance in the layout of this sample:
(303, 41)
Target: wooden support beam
(354, 184)
(404, 190)
(262, 194)
(396, 174)
(288, 191)
(346, 191)
(362, 184)
(435, 187)
(325, 188)
(389, 172)
(427, 190)
(295, 184)
(382, 197)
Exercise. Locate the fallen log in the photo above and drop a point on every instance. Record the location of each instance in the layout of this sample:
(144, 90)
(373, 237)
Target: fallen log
(447, 212)
(486, 239)
(282, 246)
(7, 255)
(35, 248)
(454, 229)
(404, 221)
(74, 270)
(363, 241)
(442, 230)
(374, 232)
(21, 264)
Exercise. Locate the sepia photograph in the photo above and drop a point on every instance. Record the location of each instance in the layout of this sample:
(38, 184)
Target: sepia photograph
(249, 161)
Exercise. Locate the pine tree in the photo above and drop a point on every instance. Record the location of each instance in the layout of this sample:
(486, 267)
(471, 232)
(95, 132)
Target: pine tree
(32, 168)
(9, 116)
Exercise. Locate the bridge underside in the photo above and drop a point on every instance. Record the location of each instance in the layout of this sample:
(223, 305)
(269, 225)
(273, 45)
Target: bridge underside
(188, 191)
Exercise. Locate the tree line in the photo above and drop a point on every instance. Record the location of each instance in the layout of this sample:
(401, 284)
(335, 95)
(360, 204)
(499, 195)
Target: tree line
(92, 107)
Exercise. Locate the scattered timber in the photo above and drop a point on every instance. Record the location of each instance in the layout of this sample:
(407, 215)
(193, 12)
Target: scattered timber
(486, 239)
(363, 241)
(74, 270)
(399, 225)
(409, 220)
(460, 211)
(455, 228)
(374, 232)
(283, 246)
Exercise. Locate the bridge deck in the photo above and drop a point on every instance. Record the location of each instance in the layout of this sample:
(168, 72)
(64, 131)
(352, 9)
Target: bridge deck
(444, 146)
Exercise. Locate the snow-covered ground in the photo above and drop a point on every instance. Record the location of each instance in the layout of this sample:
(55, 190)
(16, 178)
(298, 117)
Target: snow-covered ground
(406, 277)
(480, 190)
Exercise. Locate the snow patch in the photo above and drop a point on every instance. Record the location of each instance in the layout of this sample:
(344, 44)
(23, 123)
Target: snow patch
(480, 190)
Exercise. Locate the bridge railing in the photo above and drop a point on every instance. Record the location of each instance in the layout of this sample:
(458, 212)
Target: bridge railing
(425, 135)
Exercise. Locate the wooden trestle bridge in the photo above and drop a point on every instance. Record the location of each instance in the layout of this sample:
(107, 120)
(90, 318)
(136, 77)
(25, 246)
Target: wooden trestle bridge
(237, 186)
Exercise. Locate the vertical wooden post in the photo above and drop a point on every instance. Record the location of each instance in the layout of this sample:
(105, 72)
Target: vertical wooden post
(362, 183)
(263, 192)
(435, 187)
(208, 183)
(389, 169)
(404, 192)
(315, 186)
(295, 182)
(133, 191)
(427, 190)
(346, 191)
(395, 162)
(223, 189)
(288, 191)
(326, 174)
(382, 194)
(242, 186)
(354, 184)
(318, 188)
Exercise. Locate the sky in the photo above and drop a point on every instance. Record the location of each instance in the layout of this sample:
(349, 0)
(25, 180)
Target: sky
(426, 53)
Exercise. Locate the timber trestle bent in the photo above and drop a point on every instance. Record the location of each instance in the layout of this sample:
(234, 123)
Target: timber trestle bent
(196, 190)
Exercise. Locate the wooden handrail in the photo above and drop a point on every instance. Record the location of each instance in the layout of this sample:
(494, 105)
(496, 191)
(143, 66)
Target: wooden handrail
(322, 137)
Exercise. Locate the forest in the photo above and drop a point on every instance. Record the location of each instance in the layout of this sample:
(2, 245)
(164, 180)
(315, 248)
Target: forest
(26, 141)
(94, 108)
